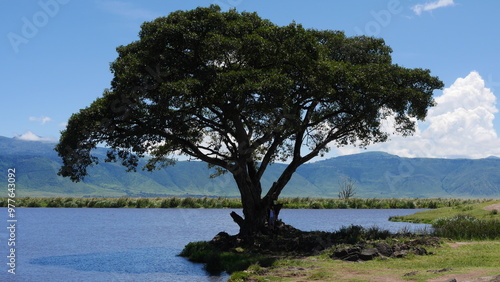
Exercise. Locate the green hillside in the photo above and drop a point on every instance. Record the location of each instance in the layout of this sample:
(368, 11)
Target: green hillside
(376, 174)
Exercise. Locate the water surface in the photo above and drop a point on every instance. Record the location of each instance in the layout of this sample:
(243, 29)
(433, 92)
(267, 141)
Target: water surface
(65, 244)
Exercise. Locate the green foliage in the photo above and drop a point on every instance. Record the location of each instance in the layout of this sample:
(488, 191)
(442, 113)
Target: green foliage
(240, 93)
(217, 261)
(466, 227)
(351, 234)
(239, 276)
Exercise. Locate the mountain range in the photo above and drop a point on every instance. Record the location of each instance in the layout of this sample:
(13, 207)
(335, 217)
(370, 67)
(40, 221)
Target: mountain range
(375, 175)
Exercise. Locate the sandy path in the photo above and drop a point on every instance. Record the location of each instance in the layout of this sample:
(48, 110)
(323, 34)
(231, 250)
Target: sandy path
(493, 207)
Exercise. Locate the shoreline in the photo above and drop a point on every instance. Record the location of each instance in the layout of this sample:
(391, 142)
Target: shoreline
(235, 203)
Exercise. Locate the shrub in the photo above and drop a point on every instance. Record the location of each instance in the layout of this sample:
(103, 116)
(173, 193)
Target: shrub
(466, 227)
(239, 276)
(174, 202)
(316, 205)
(188, 203)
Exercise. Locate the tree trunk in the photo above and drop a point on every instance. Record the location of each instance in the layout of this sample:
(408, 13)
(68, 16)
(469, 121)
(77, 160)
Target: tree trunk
(255, 208)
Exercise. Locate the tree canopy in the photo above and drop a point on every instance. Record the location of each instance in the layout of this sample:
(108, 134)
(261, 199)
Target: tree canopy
(239, 92)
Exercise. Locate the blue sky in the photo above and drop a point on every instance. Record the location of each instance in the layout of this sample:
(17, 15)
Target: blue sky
(56, 55)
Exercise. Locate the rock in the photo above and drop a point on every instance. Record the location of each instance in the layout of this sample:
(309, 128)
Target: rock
(495, 279)
(440, 270)
(384, 249)
(400, 254)
(369, 254)
(413, 273)
(419, 251)
(347, 254)
(355, 254)
(340, 253)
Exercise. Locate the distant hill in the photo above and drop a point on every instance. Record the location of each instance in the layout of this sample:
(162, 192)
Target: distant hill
(376, 174)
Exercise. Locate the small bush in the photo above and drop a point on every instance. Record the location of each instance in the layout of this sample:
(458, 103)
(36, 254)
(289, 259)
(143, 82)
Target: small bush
(351, 234)
(316, 205)
(239, 276)
(466, 227)
(188, 203)
(174, 202)
(197, 251)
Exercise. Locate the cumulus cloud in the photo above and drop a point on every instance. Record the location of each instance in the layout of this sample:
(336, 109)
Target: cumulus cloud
(462, 121)
(460, 125)
(30, 136)
(418, 9)
(42, 120)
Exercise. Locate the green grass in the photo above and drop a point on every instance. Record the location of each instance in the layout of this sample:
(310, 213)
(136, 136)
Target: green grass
(472, 209)
(480, 258)
(466, 227)
(216, 261)
(462, 222)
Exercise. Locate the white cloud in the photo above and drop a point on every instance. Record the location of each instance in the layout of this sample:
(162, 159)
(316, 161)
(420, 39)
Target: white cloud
(42, 120)
(127, 10)
(418, 9)
(461, 125)
(30, 136)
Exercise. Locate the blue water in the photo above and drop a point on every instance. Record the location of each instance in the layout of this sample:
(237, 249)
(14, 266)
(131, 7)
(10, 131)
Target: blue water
(139, 244)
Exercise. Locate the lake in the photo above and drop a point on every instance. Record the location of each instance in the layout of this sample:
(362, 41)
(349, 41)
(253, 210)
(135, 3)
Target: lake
(66, 244)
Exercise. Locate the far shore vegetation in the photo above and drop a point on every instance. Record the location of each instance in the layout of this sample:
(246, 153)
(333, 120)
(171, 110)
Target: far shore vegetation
(235, 203)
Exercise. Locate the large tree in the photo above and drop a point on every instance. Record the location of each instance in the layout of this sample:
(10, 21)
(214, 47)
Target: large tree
(239, 93)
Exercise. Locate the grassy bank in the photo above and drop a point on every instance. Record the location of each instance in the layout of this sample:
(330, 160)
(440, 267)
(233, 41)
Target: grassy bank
(477, 258)
(464, 262)
(472, 209)
(233, 253)
(462, 222)
(235, 203)
(443, 260)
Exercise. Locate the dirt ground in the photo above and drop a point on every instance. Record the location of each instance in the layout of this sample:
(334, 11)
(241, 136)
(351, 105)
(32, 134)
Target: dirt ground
(389, 276)
(493, 207)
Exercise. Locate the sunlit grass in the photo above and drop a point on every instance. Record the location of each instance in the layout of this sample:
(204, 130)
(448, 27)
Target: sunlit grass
(480, 257)
(472, 209)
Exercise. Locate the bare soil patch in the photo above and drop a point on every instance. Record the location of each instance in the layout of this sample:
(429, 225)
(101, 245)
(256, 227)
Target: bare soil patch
(471, 276)
(493, 207)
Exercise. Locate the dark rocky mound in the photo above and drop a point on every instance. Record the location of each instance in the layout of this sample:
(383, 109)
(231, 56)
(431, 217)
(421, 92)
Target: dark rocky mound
(367, 250)
(352, 243)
